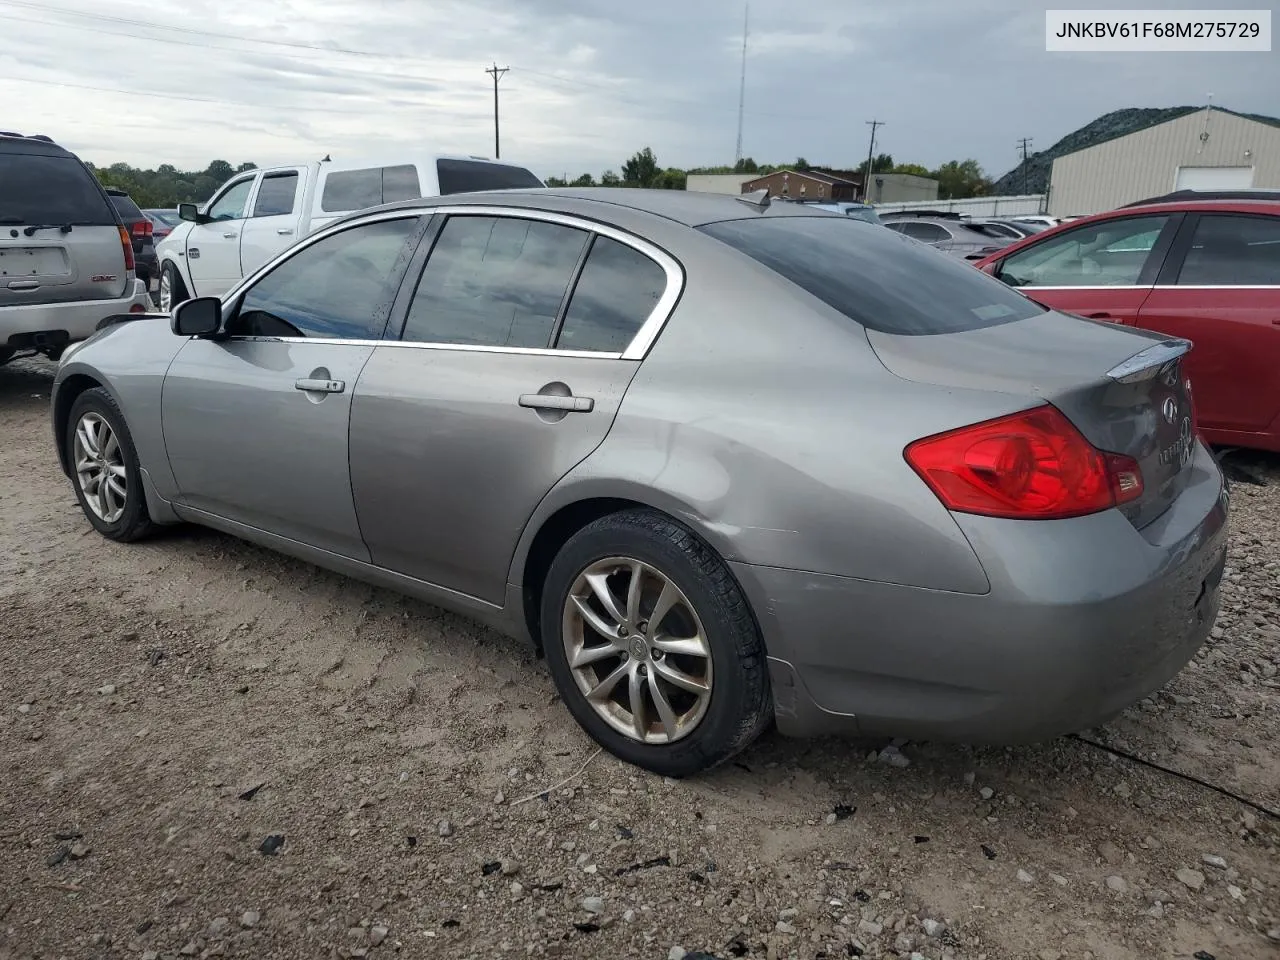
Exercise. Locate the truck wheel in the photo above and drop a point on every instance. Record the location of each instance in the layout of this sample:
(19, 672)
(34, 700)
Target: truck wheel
(172, 290)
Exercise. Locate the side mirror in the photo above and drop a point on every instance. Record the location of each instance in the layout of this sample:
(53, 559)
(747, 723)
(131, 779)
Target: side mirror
(200, 317)
(191, 213)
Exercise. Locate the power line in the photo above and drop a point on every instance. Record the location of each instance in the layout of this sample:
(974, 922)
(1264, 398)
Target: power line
(1023, 145)
(498, 73)
(871, 149)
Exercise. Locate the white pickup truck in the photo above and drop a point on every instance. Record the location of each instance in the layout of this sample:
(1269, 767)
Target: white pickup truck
(257, 214)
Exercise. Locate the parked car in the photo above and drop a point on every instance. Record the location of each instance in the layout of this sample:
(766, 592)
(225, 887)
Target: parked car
(259, 213)
(1207, 271)
(862, 211)
(951, 233)
(141, 231)
(1017, 229)
(66, 261)
(1043, 221)
(722, 459)
(163, 221)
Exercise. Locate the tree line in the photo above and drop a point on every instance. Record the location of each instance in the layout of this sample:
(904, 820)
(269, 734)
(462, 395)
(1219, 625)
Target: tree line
(167, 186)
(957, 179)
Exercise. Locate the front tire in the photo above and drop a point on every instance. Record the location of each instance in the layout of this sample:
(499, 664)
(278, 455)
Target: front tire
(652, 645)
(105, 471)
(172, 290)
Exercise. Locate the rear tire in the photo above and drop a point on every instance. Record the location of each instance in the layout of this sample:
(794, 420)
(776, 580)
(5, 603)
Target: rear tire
(105, 471)
(676, 690)
(172, 290)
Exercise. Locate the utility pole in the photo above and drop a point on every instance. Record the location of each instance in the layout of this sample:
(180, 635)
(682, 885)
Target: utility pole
(497, 75)
(742, 83)
(1024, 145)
(871, 149)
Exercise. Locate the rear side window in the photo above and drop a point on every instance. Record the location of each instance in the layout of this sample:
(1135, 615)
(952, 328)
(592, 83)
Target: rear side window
(52, 190)
(129, 211)
(1233, 251)
(925, 232)
(876, 277)
(276, 195)
(370, 187)
(494, 281)
(617, 291)
(463, 176)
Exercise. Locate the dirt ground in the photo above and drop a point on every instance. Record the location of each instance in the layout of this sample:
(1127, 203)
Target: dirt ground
(209, 750)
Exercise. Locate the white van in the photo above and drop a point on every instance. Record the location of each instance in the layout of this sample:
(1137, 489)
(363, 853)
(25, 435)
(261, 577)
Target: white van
(257, 214)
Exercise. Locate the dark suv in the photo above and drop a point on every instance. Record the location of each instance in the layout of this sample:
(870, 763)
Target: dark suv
(66, 260)
(141, 231)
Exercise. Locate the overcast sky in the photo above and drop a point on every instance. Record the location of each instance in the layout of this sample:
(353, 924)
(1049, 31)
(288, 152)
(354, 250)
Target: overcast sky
(591, 81)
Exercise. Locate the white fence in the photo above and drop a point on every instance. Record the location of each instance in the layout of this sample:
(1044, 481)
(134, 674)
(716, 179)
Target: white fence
(975, 206)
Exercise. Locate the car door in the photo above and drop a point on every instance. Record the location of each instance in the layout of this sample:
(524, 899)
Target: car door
(518, 343)
(272, 224)
(213, 249)
(256, 421)
(1103, 269)
(1221, 290)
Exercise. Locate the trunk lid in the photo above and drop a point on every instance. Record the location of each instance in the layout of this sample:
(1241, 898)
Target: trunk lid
(53, 266)
(1125, 390)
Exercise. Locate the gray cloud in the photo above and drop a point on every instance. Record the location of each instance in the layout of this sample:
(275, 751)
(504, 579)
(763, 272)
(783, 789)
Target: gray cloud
(591, 81)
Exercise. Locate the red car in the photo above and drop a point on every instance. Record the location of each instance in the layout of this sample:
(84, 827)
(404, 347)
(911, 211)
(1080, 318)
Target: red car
(1205, 270)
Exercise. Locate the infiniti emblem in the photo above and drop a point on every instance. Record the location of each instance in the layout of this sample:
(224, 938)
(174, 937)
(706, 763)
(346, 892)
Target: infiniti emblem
(1170, 410)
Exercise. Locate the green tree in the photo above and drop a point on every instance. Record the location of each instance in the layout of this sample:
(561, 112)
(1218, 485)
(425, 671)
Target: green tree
(801, 164)
(641, 170)
(671, 179)
(610, 179)
(219, 170)
(882, 163)
(915, 169)
(556, 182)
(745, 165)
(586, 180)
(959, 179)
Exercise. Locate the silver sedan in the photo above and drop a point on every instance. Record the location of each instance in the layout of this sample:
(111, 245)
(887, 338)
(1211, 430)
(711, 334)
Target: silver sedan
(726, 463)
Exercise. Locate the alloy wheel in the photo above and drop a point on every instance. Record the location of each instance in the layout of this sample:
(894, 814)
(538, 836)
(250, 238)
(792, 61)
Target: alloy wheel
(100, 468)
(637, 650)
(166, 291)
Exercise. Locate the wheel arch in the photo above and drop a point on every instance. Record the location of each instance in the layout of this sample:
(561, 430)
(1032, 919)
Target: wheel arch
(560, 518)
(180, 266)
(69, 389)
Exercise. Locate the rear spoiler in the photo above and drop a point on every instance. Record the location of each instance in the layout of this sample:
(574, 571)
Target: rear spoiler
(1151, 362)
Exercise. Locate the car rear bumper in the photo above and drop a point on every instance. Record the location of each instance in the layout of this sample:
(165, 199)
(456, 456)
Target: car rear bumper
(1084, 618)
(21, 327)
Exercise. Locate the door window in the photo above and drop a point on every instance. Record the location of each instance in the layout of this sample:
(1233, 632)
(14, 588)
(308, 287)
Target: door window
(615, 295)
(1107, 254)
(1229, 250)
(339, 287)
(370, 187)
(925, 232)
(276, 195)
(495, 281)
(230, 206)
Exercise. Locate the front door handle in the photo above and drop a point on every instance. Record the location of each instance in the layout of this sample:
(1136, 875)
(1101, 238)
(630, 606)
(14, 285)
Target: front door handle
(1099, 316)
(311, 385)
(285, 231)
(230, 236)
(549, 401)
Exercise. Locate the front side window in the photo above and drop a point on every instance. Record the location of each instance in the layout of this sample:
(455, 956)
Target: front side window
(876, 277)
(494, 281)
(339, 287)
(276, 195)
(615, 295)
(1230, 251)
(1107, 254)
(230, 206)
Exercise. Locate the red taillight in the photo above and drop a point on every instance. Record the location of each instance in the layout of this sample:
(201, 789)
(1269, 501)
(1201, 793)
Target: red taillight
(143, 228)
(128, 249)
(1033, 465)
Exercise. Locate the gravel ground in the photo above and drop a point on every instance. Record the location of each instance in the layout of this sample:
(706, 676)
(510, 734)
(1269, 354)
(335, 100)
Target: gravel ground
(210, 750)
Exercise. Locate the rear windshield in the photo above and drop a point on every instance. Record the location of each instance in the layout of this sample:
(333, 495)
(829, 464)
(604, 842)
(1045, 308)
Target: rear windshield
(875, 276)
(463, 176)
(129, 210)
(50, 190)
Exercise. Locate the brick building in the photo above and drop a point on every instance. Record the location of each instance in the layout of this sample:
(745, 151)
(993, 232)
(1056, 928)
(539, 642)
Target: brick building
(807, 185)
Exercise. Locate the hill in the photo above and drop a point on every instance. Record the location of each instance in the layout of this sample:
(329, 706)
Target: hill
(1118, 123)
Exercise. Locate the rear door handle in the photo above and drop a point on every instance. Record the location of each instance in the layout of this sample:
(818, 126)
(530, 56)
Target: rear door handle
(309, 385)
(285, 231)
(1099, 316)
(24, 284)
(549, 401)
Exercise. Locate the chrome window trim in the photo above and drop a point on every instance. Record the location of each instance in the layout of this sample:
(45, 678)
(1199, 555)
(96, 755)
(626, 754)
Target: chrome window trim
(411, 345)
(1164, 286)
(637, 349)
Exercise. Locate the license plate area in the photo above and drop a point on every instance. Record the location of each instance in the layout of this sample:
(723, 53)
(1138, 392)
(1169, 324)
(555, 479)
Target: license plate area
(22, 263)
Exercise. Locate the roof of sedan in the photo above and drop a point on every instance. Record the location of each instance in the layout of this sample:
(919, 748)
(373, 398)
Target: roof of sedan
(687, 207)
